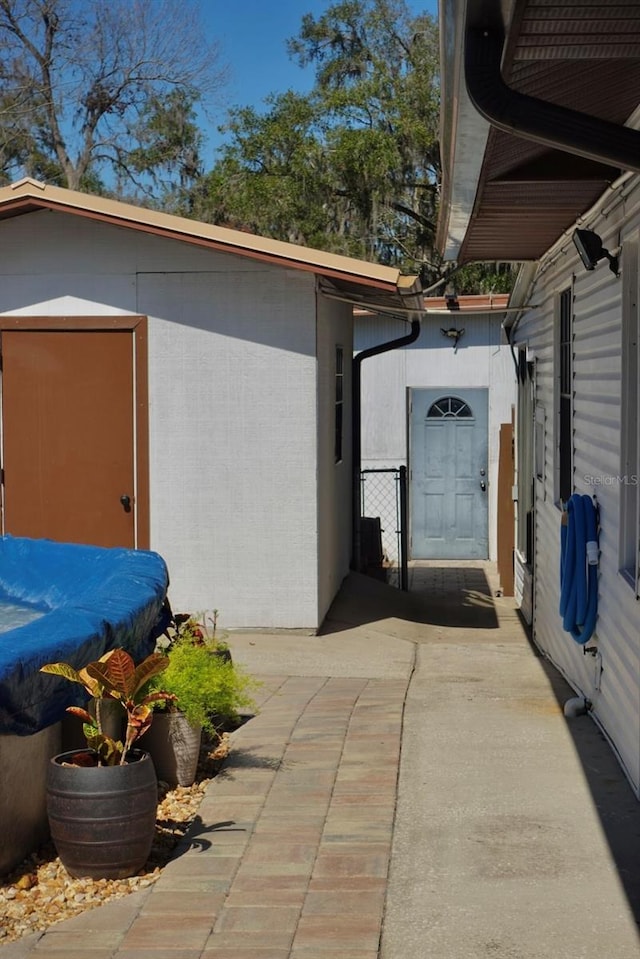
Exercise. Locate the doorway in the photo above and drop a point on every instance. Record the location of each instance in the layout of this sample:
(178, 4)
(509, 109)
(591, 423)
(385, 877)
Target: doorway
(74, 429)
(448, 444)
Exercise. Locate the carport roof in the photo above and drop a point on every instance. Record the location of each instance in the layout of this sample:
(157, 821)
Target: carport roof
(363, 282)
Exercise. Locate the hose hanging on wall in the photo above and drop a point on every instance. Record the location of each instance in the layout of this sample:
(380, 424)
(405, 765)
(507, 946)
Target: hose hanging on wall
(579, 567)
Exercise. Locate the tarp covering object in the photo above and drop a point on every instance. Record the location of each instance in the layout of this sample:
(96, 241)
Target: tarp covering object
(94, 599)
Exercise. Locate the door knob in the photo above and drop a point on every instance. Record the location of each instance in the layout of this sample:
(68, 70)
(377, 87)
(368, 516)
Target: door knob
(126, 502)
(483, 486)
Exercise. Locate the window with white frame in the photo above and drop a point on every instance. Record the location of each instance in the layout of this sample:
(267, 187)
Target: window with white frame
(564, 381)
(629, 418)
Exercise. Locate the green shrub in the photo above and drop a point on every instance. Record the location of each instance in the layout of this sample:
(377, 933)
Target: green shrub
(209, 690)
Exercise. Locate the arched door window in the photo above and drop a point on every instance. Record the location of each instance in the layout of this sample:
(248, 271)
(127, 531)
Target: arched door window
(450, 407)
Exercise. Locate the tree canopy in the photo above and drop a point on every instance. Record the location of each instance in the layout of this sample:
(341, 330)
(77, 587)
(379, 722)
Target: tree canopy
(353, 166)
(92, 93)
(105, 97)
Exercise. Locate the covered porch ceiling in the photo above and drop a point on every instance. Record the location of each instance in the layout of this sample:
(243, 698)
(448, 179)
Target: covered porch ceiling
(538, 102)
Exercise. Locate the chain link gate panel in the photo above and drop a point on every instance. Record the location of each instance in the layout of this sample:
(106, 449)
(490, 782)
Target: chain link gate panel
(383, 498)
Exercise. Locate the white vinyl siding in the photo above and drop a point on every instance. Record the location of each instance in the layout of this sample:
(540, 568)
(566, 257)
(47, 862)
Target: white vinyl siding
(610, 678)
(527, 435)
(564, 393)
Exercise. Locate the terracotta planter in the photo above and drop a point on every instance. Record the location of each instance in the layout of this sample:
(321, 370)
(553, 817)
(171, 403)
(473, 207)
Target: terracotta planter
(102, 818)
(174, 746)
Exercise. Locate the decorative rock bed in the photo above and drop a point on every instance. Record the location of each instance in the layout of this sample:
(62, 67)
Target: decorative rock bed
(39, 893)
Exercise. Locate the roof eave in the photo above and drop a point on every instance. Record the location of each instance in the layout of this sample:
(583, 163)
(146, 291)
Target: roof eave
(463, 134)
(556, 89)
(27, 195)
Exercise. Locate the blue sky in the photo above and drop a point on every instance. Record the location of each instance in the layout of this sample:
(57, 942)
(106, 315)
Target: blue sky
(252, 36)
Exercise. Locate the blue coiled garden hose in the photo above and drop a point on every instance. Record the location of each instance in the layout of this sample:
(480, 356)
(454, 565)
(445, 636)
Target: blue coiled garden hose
(579, 568)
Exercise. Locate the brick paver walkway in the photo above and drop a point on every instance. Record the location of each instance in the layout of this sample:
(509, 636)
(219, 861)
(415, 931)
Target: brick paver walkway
(289, 856)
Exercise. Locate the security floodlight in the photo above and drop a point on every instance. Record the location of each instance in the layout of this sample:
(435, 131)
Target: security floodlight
(591, 251)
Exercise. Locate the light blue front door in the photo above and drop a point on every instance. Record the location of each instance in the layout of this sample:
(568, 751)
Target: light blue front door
(448, 474)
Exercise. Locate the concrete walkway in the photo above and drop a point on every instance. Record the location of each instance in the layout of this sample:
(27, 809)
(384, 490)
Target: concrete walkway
(409, 790)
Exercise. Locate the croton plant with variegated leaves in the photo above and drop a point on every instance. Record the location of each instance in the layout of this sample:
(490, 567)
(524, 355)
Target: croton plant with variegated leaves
(115, 676)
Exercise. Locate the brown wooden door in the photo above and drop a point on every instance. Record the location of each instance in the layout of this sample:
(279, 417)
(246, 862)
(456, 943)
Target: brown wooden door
(68, 420)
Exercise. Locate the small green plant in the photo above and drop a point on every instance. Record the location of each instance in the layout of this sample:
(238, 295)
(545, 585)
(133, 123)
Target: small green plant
(115, 676)
(205, 687)
(201, 629)
(208, 687)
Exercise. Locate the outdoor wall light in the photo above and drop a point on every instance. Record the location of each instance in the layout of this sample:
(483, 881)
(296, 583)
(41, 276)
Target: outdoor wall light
(591, 251)
(453, 334)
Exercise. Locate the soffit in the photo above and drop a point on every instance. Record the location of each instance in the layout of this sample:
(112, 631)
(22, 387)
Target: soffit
(580, 54)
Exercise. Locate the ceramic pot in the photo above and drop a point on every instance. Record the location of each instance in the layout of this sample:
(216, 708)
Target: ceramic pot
(175, 748)
(102, 818)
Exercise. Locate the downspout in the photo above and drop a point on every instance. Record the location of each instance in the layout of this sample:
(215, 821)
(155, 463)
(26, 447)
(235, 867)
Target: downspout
(356, 405)
(525, 116)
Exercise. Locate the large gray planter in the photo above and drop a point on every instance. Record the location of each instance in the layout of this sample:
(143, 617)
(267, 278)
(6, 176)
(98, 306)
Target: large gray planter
(102, 818)
(174, 746)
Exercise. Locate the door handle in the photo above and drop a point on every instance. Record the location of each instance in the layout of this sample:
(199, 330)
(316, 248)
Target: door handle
(126, 502)
(483, 486)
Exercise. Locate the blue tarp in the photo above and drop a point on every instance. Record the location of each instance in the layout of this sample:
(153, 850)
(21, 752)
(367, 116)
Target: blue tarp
(93, 599)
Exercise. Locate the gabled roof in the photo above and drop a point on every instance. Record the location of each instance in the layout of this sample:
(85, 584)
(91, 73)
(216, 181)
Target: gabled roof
(371, 282)
(538, 98)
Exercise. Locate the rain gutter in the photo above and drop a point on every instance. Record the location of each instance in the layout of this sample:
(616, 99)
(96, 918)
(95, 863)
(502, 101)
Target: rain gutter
(529, 117)
(356, 406)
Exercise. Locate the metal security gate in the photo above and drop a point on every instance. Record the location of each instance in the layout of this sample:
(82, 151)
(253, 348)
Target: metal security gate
(383, 498)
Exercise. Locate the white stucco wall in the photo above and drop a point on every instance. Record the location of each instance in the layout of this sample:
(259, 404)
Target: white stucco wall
(232, 403)
(481, 360)
(610, 679)
(335, 328)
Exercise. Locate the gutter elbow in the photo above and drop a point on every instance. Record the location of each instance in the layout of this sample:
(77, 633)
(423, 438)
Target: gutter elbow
(554, 126)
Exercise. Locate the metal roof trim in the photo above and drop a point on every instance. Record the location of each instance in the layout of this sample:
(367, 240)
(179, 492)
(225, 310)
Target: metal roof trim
(463, 135)
(30, 193)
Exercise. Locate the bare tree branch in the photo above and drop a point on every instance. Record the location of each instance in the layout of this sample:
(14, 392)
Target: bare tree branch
(77, 75)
